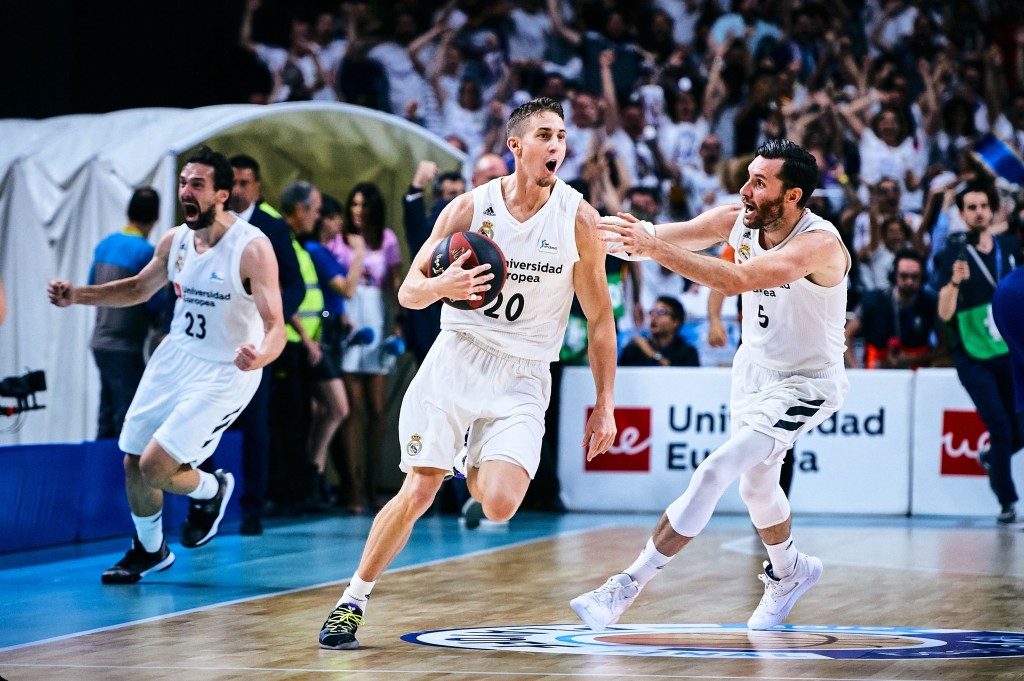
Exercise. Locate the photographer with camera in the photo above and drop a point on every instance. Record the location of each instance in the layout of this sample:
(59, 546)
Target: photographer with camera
(969, 271)
(227, 326)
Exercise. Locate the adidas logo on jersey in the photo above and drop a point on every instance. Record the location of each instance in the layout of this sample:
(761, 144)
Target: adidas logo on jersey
(489, 211)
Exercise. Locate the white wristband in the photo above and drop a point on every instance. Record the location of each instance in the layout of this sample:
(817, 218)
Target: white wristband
(622, 255)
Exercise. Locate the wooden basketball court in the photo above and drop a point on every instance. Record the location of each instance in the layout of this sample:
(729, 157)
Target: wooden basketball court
(887, 584)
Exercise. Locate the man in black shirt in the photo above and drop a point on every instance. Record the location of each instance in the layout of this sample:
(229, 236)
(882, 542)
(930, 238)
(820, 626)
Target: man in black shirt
(665, 347)
(900, 323)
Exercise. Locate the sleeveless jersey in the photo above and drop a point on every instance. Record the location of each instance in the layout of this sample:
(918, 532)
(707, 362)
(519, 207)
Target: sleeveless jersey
(528, 318)
(798, 326)
(213, 313)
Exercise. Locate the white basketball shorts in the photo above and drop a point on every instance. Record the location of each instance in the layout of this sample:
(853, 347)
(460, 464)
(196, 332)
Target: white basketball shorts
(783, 404)
(185, 404)
(464, 386)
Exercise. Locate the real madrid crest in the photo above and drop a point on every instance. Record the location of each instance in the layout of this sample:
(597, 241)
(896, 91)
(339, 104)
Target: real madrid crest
(744, 252)
(414, 446)
(179, 262)
(487, 229)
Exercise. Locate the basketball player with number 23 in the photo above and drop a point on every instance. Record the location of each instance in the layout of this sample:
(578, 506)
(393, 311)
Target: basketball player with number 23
(487, 374)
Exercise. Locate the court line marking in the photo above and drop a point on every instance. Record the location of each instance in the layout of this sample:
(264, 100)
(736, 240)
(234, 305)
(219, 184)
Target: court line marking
(752, 546)
(437, 672)
(201, 608)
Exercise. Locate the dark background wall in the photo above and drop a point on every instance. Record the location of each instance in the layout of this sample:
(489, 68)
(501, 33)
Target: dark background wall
(89, 56)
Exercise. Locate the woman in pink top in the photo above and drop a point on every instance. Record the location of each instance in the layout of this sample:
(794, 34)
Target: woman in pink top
(365, 366)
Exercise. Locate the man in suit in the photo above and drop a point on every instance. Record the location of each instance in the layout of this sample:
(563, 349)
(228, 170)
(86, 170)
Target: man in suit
(245, 202)
(422, 326)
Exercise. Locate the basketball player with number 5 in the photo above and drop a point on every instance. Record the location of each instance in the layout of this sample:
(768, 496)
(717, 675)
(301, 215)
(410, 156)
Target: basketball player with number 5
(787, 377)
(488, 371)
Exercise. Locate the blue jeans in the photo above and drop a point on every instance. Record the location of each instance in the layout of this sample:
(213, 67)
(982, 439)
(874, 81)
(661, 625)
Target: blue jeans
(990, 385)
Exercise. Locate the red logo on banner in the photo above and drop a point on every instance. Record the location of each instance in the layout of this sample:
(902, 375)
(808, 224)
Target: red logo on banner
(964, 436)
(631, 450)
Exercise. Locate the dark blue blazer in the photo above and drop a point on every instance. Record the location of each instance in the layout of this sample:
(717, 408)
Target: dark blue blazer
(421, 326)
(293, 289)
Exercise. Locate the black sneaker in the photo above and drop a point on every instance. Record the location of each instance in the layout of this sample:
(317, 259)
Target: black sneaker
(138, 563)
(339, 631)
(252, 525)
(1008, 515)
(204, 515)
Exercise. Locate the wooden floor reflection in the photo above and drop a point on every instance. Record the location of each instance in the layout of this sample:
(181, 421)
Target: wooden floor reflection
(876, 576)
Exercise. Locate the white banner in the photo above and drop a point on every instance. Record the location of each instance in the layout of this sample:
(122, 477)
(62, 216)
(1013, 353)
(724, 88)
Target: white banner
(670, 419)
(948, 435)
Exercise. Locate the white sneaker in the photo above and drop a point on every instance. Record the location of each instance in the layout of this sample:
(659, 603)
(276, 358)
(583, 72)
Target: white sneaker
(603, 606)
(780, 594)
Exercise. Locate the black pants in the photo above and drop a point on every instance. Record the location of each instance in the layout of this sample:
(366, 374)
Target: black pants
(990, 385)
(289, 468)
(120, 373)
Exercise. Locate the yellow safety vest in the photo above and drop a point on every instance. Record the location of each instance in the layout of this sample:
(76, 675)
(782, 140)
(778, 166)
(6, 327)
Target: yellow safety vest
(311, 310)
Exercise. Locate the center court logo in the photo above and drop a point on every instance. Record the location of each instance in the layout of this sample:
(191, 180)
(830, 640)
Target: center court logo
(631, 450)
(731, 641)
(964, 437)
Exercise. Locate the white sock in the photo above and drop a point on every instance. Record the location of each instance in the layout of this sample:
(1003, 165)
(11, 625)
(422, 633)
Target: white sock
(357, 591)
(647, 564)
(783, 557)
(150, 530)
(208, 486)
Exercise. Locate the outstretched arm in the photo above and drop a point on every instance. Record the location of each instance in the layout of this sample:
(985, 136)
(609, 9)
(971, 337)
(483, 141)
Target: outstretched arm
(817, 255)
(122, 292)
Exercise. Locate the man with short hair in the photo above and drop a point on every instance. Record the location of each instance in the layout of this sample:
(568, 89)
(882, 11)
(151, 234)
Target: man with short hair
(301, 361)
(898, 323)
(499, 422)
(663, 347)
(119, 336)
(247, 203)
(970, 268)
(488, 167)
(227, 325)
(788, 376)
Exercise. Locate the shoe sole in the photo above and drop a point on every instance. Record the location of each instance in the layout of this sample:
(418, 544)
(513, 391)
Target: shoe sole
(579, 606)
(344, 646)
(220, 514)
(816, 569)
(159, 567)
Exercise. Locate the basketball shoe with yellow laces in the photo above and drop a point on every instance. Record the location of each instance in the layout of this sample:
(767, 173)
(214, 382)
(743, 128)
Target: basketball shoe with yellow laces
(339, 631)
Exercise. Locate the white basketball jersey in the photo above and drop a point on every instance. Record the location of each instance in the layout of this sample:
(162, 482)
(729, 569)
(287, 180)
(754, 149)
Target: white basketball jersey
(213, 313)
(528, 317)
(798, 326)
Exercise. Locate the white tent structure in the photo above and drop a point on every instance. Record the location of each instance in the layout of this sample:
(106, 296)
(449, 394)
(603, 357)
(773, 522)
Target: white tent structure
(65, 184)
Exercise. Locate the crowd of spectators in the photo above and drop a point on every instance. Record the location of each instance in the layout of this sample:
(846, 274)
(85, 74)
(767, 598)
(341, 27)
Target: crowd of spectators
(666, 101)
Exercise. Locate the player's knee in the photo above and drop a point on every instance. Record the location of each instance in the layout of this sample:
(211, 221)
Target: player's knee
(709, 476)
(419, 491)
(131, 466)
(152, 472)
(499, 506)
(754, 495)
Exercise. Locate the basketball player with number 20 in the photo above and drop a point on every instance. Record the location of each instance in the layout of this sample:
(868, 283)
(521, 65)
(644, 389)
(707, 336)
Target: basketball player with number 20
(488, 372)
